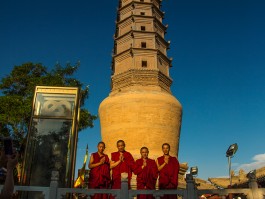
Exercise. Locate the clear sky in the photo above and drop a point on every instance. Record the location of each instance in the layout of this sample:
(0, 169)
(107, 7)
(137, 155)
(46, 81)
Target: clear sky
(218, 50)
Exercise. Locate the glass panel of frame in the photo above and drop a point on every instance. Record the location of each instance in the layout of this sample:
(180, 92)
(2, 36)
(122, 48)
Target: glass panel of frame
(49, 150)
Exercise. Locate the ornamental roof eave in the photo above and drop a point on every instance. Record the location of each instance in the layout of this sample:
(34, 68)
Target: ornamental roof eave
(238, 181)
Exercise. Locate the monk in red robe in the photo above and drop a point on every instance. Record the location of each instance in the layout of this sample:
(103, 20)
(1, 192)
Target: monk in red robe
(168, 168)
(121, 162)
(99, 176)
(147, 174)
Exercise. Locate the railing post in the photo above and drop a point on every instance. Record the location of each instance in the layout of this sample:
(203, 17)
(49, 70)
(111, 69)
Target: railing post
(190, 187)
(124, 186)
(253, 185)
(54, 185)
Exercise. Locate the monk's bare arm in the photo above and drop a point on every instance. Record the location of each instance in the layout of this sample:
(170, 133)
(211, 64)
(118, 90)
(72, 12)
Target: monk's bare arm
(160, 167)
(91, 165)
(114, 164)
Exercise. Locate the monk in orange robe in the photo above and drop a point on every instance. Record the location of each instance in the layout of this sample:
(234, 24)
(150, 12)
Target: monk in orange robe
(121, 162)
(147, 174)
(168, 168)
(99, 176)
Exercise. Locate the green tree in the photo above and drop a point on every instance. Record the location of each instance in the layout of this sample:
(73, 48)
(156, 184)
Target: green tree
(18, 90)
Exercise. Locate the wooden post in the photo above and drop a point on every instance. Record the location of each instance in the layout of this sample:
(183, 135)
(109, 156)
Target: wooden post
(124, 186)
(253, 185)
(190, 188)
(54, 185)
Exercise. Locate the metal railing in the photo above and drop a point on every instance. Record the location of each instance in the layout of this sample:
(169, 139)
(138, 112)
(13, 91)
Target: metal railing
(191, 192)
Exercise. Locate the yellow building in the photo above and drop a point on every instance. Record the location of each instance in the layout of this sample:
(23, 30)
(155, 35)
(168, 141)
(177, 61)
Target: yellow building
(140, 108)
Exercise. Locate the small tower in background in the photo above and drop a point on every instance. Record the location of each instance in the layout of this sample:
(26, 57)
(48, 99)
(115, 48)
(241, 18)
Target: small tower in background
(140, 108)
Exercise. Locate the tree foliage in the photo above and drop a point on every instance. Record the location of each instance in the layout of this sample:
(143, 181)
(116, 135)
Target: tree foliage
(18, 90)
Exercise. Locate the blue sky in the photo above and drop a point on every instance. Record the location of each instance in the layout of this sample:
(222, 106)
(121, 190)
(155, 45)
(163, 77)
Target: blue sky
(218, 50)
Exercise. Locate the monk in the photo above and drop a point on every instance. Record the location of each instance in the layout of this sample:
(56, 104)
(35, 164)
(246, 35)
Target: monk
(121, 162)
(99, 165)
(168, 168)
(147, 174)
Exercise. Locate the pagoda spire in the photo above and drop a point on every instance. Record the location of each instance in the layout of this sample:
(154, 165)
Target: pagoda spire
(140, 49)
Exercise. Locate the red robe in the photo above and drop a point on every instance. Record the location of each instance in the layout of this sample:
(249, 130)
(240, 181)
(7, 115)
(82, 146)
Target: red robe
(146, 177)
(99, 177)
(168, 176)
(127, 166)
